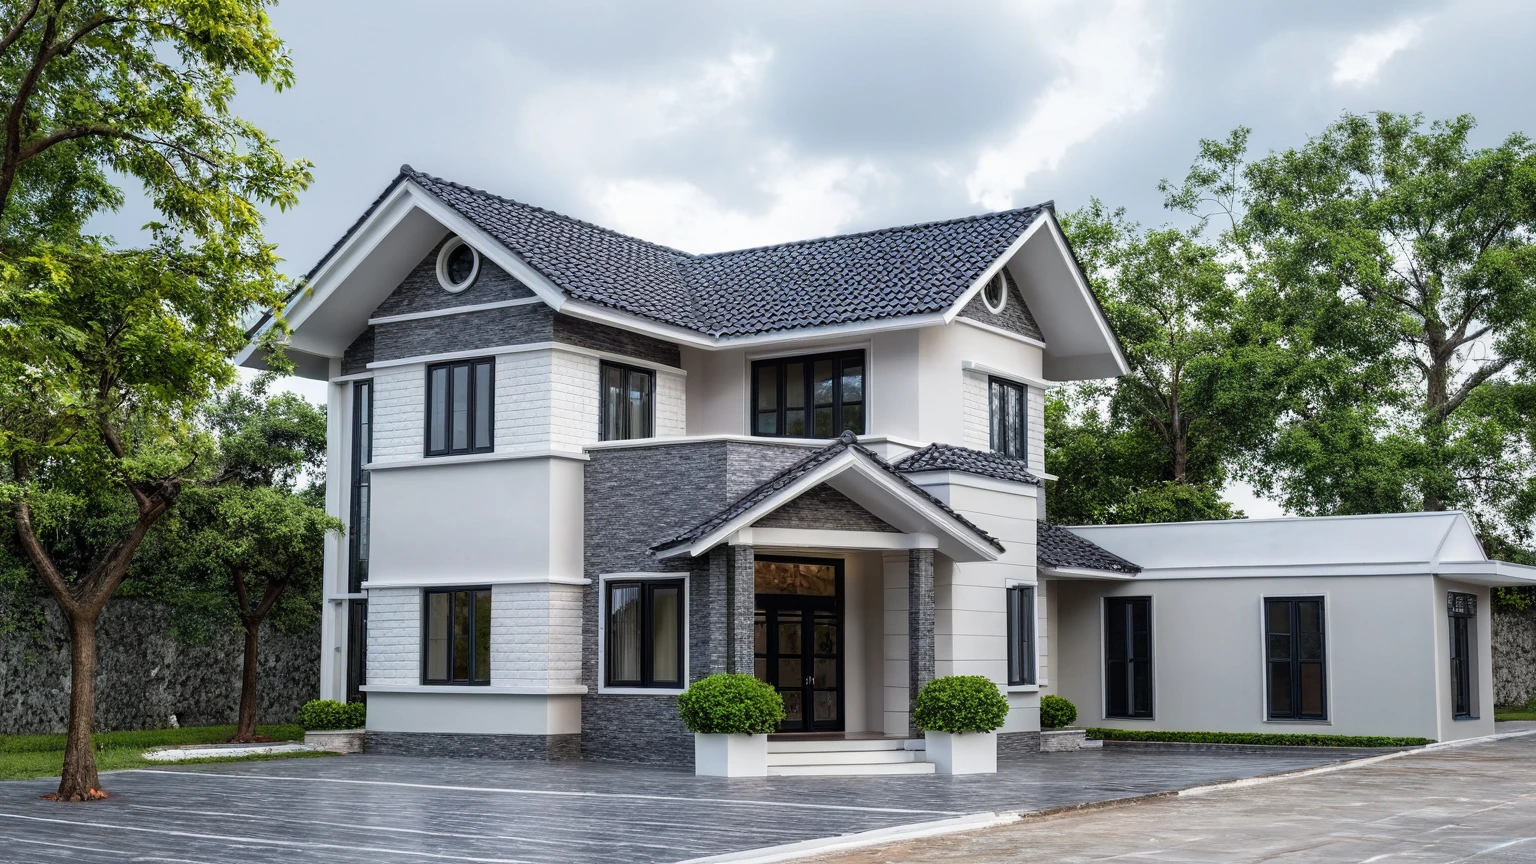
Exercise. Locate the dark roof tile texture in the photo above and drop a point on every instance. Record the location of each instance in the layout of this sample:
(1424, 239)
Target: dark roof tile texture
(947, 457)
(1059, 547)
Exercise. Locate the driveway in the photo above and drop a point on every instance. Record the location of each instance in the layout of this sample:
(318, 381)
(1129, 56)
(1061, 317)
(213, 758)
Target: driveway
(396, 809)
(1468, 804)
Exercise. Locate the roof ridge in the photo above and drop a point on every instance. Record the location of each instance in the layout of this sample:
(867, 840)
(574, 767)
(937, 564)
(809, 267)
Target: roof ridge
(408, 171)
(976, 217)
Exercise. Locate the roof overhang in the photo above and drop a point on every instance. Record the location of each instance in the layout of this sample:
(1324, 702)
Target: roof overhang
(876, 490)
(1084, 573)
(1079, 342)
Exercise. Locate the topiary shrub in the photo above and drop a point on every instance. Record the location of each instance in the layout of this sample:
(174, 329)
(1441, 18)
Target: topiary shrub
(960, 703)
(731, 705)
(330, 714)
(1056, 712)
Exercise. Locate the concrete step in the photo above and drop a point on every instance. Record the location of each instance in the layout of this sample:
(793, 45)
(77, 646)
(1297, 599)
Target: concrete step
(851, 770)
(823, 745)
(846, 757)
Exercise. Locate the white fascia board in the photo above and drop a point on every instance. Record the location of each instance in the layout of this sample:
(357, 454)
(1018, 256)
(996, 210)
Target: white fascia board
(987, 274)
(817, 538)
(455, 310)
(947, 477)
(478, 580)
(524, 348)
(1488, 572)
(475, 458)
(1093, 303)
(1084, 573)
(629, 321)
(735, 438)
(1011, 376)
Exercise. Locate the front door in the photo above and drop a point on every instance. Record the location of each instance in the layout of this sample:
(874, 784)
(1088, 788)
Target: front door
(798, 639)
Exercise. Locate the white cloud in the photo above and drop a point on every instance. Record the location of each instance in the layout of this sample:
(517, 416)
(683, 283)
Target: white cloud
(1361, 60)
(1110, 69)
(805, 198)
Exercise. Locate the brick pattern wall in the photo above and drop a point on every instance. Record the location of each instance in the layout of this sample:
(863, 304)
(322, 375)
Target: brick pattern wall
(420, 291)
(826, 508)
(394, 636)
(741, 607)
(601, 337)
(535, 635)
(574, 399)
(359, 354)
(1015, 317)
(976, 410)
(466, 331)
(671, 405)
(920, 624)
(399, 412)
(470, 746)
(1035, 399)
(523, 401)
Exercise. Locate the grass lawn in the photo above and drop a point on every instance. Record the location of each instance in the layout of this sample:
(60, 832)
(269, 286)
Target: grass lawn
(26, 757)
(1515, 714)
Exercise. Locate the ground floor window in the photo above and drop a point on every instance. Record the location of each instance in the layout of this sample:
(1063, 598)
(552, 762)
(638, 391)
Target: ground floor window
(1021, 634)
(357, 649)
(1294, 656)
(1128, 657)
(644, 633)
(1462, 609)
(458, 630)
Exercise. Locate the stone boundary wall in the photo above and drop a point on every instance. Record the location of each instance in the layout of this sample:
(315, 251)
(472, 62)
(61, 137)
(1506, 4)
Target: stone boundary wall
(1514, 657)
(144, 676)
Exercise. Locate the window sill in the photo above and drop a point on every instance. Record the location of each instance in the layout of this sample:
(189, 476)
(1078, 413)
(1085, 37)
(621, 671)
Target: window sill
(1465, 719)
(1024, 688)
(478, 689)
(1285, 722)
(472, 458)
(641, 691)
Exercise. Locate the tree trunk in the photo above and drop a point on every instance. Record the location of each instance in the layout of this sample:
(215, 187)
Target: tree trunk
(1180, 438)
(1437, 397)
(245, 729)
(78, 780)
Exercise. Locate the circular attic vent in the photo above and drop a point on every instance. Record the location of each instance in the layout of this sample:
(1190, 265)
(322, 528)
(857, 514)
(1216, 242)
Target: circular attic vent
(995, 294)
(457, 265)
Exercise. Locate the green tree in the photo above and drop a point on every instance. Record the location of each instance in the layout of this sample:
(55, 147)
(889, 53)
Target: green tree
(1402, 259)
(105, 354)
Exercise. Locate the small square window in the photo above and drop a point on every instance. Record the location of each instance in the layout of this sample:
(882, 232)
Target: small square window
(644, 633)
(456, 641)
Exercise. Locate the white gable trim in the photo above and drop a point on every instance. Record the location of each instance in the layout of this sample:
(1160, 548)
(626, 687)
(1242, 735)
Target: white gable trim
(455, 310)
(818, 538)
(987, 274)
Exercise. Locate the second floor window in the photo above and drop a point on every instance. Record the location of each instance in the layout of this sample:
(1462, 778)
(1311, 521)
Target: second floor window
(820, 396)
(1008, 425)
(459, 407)
(628, 403)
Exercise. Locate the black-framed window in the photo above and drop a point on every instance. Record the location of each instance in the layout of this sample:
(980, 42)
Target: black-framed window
(1462, 610)
(362, 454)
(1128, 657)
(1021, 634)
(643, 637)
(357, 650)
(1010, 423)
(1297, 671)
(459, 407)
(628, 403)
(456, 647)
(816, 396)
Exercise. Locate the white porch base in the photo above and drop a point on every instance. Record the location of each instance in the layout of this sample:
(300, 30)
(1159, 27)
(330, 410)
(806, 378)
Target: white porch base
(964, 752)
(730, 755)
(833, 756)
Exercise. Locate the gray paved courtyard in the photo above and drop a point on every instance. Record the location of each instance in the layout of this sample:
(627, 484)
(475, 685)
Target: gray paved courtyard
(388, 809)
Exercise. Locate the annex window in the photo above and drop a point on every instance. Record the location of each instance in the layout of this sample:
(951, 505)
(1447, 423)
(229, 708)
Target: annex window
(1462, 609)
(459, 407)
(628, 403)
(644, 633)
(458, 636)
(362, 454)
(1021, 634)
(820, 396)
(1008, 419)
(1294, 654)
(1128, 657)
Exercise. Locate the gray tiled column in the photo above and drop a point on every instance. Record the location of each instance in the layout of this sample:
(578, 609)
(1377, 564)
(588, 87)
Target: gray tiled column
(741, 608)
(710, 617)
(920, 614)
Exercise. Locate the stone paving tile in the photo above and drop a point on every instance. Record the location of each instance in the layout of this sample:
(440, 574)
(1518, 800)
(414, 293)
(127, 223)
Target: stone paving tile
(388, 809)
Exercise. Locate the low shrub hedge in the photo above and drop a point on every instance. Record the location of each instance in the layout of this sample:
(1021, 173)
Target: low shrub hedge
(731, 704)
(1056, 712)
(1264, 738)
(960, 703)
(330, 714)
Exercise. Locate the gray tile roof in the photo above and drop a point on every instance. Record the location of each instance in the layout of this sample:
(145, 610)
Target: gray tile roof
(1059, 547)
(787, 477)
(947, 457)
(892, 272)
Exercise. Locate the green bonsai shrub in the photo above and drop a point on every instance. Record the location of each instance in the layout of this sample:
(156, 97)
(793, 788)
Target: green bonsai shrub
(1056, 712)
(731, 705)
(960, 703)
(330, 714)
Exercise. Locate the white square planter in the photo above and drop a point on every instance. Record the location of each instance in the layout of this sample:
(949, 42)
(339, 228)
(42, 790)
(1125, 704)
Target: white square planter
(962, 752)
(730, 755)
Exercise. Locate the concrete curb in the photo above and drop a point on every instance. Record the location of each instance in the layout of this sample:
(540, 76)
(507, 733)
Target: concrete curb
(1252, 749)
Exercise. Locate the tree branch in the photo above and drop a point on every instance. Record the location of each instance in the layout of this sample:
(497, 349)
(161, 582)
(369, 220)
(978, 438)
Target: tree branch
(21, 27)
(26, 534)
(1472, 383)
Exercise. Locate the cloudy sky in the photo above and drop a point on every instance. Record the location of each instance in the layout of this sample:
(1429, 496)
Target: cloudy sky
(714, 125)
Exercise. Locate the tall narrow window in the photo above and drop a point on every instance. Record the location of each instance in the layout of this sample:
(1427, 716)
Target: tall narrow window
(357, 650)
(628, 403)
(1128, 657)
(457, 644)
(1294, 653)
(1008, 418)
(1021, 634)
(1462, 609)
(459, 418)
(362, 454)
(644, 634)
(820, 396)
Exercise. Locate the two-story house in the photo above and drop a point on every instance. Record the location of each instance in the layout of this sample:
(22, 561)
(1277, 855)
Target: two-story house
(580, 470)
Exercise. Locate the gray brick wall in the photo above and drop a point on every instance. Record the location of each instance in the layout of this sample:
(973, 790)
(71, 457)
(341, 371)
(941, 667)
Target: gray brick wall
(741, 605)
(825, 507)
(920, 616)
(1015, 317)
(491, 328)
(1017, 745)
(419, 291)
(359, 354)
(601, 337)
(544, 747)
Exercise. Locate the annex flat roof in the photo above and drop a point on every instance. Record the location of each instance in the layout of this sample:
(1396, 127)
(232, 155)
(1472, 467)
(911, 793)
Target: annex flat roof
(1441, 543)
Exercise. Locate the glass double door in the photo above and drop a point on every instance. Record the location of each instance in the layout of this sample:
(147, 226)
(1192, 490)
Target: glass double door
(798, 641)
